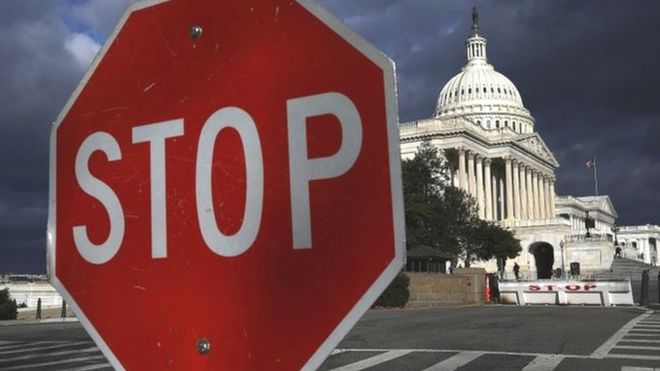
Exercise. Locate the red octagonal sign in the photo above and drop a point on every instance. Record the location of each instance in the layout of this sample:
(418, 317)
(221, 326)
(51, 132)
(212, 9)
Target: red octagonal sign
(225, 186)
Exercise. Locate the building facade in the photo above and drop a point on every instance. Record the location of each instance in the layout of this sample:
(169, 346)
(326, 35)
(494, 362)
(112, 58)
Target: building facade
(494, 153)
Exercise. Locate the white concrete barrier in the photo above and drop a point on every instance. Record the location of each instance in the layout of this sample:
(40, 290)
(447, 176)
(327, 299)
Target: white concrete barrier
(567, 292)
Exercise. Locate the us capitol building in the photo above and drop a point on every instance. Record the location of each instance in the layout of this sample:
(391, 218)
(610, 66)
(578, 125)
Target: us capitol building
(488, 138)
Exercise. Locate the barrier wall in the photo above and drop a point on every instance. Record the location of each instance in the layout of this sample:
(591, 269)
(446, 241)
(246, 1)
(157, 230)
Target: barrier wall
(465, 286)
(567, 292)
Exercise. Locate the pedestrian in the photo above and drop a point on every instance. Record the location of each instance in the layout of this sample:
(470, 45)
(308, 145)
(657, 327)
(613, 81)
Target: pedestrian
(617, 253)
(516, 270)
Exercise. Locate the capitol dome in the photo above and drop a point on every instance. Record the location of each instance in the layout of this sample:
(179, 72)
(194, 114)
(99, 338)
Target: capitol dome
(482, 95)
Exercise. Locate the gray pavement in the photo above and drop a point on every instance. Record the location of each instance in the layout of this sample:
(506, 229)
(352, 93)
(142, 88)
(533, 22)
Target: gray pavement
(465, 338)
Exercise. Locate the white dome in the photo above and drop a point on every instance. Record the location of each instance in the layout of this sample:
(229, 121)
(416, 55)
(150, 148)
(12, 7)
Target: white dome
(482, 95)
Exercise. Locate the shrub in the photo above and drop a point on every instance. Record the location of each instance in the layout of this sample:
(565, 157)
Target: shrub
(7, 307)
(396, 295)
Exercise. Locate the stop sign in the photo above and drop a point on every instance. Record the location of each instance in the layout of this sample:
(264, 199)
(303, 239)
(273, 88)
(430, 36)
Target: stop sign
(225, 186)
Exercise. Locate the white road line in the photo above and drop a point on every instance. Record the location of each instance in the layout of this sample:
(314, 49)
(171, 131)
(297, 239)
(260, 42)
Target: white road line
(657, 330)
(638, 335)
(641, 347)
(639, 341)
(607, 345)
(54, 363)
(372, 361)
(633, 356)
(27, 349)
(15, 344)
(544, 363)
(97, 366)
(649, 325)
(455, 361)
(527, 354)
(628, 368)
(62, 353)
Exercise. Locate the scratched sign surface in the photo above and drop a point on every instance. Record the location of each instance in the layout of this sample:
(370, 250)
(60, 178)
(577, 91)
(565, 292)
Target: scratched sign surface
(225, 186)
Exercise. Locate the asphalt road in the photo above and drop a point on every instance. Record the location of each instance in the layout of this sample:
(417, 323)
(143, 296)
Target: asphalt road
(465, 338)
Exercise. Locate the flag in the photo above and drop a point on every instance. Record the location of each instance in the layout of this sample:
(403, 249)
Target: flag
(591, 163)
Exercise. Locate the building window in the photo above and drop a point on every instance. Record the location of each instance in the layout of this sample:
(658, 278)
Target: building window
(469, 90)
(497, 124)
(462, 92)
(492, 90)
(485, 89)
(499, 91)
(479, 122)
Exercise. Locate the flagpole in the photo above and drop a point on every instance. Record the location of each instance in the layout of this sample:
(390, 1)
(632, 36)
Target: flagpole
(595, 175)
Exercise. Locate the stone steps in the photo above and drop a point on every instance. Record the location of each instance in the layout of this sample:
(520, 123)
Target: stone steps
(623, 268)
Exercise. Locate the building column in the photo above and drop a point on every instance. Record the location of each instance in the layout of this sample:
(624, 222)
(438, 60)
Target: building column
(509, 188)
(480, 186)
(530, 194)
(516, 190)
(546, 189)
(488, 190)
(541, 186)
(462, 177)
(535, 194)
(500, 194)
(552, 197)
(523, 192)
(470, 174)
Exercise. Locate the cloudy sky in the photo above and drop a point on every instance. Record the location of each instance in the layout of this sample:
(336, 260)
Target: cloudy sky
(587, 70)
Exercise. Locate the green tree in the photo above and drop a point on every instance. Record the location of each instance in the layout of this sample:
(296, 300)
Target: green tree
(444, 217)
(483, 240)
(7, 306)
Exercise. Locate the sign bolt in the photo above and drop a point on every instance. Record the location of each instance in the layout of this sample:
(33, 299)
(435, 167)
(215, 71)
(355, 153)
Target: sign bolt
(203, 346)
(195, 32)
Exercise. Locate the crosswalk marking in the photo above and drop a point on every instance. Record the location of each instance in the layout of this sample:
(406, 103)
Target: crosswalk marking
(544, 363)
(372, 361)
(607, 345)
(633, 356)
(636, 347)
(97, 366)
(455, 361)
(54, 354)
(629, 368)
(24, 349)
(58, 362)
(640, 341)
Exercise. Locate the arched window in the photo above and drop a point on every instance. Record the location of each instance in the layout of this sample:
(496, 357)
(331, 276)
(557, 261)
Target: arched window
(462, 92)
(497, 124)
(499, 91)
(469, 90)
(479, 122)
(506, 123)
(485, 89)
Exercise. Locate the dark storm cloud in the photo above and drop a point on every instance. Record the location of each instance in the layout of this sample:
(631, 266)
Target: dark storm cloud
(585, 69)
(37, 76)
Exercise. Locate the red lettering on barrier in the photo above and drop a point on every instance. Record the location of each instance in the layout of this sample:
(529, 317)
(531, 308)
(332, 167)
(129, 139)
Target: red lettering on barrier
(534, 287)
(572, 287)
(588, 286)
(550, 287)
